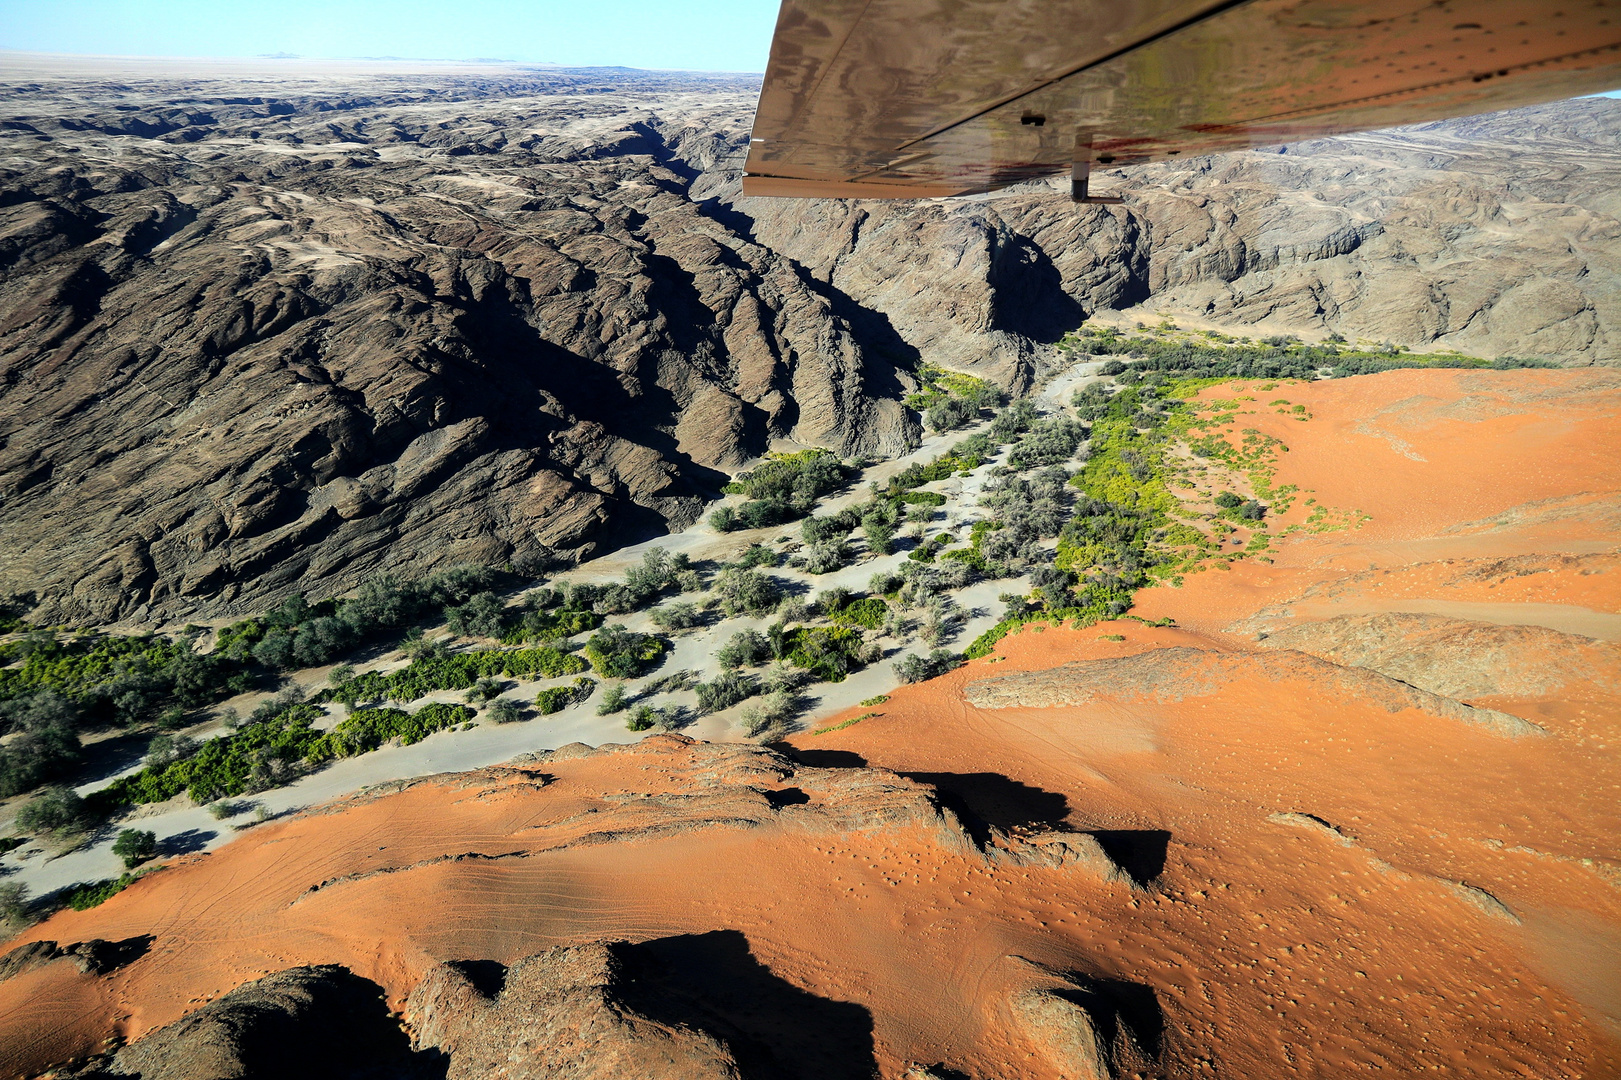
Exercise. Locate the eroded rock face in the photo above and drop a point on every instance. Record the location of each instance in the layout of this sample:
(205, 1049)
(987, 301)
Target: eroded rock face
(250, 345)
(555, 1015)
(1494, 235)
(320, 1021)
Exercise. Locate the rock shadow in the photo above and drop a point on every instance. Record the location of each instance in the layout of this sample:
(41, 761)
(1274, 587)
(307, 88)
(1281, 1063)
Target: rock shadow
(821, 759)
(1139, 852)
(991, 799)
(776, 1030)
(1128, 1017)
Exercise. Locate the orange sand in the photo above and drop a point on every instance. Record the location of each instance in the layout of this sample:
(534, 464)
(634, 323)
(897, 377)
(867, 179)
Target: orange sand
(1273, 950)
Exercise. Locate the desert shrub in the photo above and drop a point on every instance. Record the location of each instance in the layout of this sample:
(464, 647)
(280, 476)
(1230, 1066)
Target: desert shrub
(725, 690)
(828, 653)
(746, 591)
(618, 653)
(85, 897)
(613, 699)
(483, 615)
(880, 535)
(642, 718)
(558, 698)
(55, 810)
(677, 616)
(758, 555)
(884, 582)
(723, 520)
(763, 513)
(1252, 511)
(826, 557)
(1228, 501)
(772, 711)
(914, 668)
(783, 676)
(924, 498)
(1051, 441)
(484, 690)
(949, 414)
(868, 612)
(459, 671)
(273, 748)
(167, 749)
(1111, 368)
(135, 846)
(792, 481)
(508, 711)
(745, 649)
(14, 906)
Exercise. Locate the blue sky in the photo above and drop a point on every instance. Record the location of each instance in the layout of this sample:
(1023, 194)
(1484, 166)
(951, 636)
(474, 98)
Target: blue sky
(701, 35)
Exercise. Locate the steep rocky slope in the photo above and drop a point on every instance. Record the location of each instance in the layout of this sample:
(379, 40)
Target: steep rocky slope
(253, 342)
(272, 331)
(1494, 235)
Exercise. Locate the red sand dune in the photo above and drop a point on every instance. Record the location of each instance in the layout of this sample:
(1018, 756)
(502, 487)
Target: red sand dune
(1340, 873)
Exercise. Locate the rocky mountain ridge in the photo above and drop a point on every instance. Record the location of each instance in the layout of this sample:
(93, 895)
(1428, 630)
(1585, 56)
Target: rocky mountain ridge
(263, 336)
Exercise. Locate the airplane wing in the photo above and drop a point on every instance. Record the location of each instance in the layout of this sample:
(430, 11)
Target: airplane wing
(930, 98)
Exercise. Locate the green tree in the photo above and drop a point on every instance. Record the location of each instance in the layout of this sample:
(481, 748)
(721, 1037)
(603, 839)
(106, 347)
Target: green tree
(135, 846)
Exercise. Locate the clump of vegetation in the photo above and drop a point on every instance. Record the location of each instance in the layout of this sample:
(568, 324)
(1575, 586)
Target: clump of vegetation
(746, 648)
(868, 612)
(618, 653)
(1273, 358)
(558, 698)
(135, 846)
(783, 488)
(772, 713)
(614, 699)
(948, 400)
(677, 616)
(14, 905)
(741, 591)
(725, 690)
(277, 744)
(915, 668)
(96, 893)
(507, 711)
(829, 653)
(56, 810)
(455, 671)
(758, 555)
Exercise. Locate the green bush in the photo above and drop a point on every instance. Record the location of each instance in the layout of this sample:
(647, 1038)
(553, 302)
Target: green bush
(725, 690)
(746, 591)
(745, 649)
(1228, 501)
(924, 498)
(867, 612)
(914, 668)
(507, 711)
(457, 671)
(758, 555)
(85, 897)
(558, 698)
(613, 699)
(618, 653)
(828, 653)
(57, 810)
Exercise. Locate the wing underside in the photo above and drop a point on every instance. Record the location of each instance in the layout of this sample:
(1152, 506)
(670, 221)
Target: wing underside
(931, 98)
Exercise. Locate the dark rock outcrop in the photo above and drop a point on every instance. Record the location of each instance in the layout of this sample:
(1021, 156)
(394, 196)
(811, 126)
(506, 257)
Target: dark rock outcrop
(555, 1015)
(316, 1022)
(285, 344)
